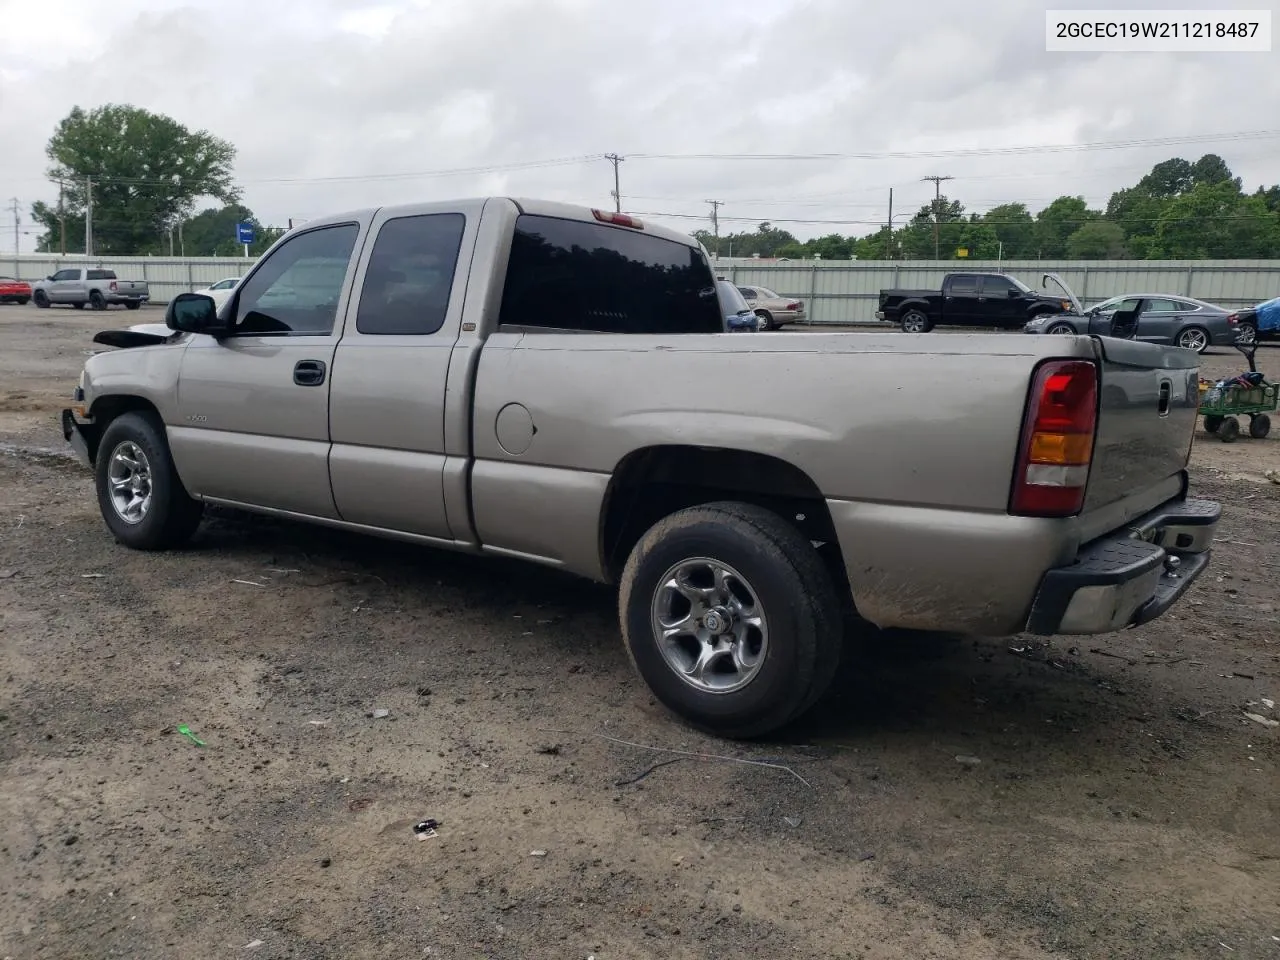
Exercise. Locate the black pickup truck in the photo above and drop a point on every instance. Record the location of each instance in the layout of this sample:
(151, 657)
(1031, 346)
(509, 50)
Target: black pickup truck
(968, 300)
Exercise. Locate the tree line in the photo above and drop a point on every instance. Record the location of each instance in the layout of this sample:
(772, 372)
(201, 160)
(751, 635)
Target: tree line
(145, 174)
(1181, 210)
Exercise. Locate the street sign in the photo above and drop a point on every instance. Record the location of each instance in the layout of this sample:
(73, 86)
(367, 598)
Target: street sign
(962, 251)
(244, 233)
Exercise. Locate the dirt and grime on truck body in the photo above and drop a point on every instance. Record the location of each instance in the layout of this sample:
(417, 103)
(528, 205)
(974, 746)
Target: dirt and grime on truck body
(1123, 803)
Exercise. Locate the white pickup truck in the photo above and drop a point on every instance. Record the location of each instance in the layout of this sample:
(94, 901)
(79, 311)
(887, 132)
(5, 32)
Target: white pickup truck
(89, 286)
(541, 381)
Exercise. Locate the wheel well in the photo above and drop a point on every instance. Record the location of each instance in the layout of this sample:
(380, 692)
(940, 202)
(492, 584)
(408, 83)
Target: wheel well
(106, 409)
(655, 482)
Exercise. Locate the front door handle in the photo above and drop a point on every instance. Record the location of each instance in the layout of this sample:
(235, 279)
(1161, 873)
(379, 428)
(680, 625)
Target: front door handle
(308, 373)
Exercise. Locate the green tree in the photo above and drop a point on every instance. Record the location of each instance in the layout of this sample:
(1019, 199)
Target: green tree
(147, 172)
(1213, 221)
(1015, 228)
(211, 232)
(917, 237)
(980, 239)
(1097, 240)
(1058, 221)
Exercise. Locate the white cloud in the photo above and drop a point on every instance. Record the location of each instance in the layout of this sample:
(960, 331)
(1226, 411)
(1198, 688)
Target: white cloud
(309, 89)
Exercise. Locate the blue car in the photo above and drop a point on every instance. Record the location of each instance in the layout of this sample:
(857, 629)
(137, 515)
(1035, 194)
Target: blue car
(738, 317)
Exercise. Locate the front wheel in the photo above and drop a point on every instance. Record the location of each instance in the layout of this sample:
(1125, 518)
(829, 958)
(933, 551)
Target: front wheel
(1194, 338)
(42, 299)
(731, 618)
(1062, 330)
(1259, 426)
(140, 495)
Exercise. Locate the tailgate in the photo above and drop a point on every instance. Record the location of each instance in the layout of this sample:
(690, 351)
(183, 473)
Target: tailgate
(131, 286)
(1146, 417)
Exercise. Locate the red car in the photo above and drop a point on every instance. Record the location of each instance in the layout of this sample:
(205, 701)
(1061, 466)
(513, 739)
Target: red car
(14, 291)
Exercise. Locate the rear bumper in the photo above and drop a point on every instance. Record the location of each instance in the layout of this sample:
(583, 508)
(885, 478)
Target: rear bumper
(127, 297)
(1130, 577)
(83, 435)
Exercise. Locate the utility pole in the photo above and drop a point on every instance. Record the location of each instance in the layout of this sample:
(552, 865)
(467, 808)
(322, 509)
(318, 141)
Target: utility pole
(182, 246)
(937, 209)
(62, 221)
(16, 233)
(888, 240)
(715, 222)
(617, 195)
(88, 217)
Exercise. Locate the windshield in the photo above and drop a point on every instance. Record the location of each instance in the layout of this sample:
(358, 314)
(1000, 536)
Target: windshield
(731, 299)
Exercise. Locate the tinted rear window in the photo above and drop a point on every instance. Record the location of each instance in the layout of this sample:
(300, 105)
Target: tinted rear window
(102, 275)
(962, 286)
(571, 275)
(410, 274)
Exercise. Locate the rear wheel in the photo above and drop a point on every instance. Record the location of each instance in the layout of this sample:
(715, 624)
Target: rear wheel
(132, 305)
(1259, 426)
(915, 321)
(1246, 333)
(766, 319)
(79, 304)
(731, 618)
(97, 300)
(22, 301)
(1194, 338)
(41, 298)
(140, 495)
(1228, 430)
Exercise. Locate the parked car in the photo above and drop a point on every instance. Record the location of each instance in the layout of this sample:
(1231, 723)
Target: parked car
(13, 290)
(567, 397)
(95, 287)
(1259, 323)
(774, 311)
(1180, 321)
(219, 292)
(738, 317)
(968, 300)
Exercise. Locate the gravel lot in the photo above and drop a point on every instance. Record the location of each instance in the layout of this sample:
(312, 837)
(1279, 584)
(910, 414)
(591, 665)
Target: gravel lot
(1121, 804)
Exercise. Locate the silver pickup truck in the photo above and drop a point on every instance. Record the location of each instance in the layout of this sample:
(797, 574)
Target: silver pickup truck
(540, 381)
(89, 286)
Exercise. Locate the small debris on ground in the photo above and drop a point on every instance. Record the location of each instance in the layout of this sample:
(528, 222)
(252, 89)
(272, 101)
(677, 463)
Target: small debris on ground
(379, 714)
(792, 821)
(186, 732)
(423, 826)
(92, 576)
(1259, 718)
(254, 944)
(8, 574)
(550, 749)
(318, 723)
(537, 853)
(965, 761)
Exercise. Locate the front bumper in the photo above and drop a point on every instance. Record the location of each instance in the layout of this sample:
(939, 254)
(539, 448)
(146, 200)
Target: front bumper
(83, 435)
(1130, 577)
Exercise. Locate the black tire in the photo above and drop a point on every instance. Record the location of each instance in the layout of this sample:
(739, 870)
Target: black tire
(1259, 426)
(783, 572)
(22, 301)
(1211, 423)
(1186, 332)
(1228, 430)
(173, 515)
(42, 299)
(913, 319)
(1246, 333)
(97, 300)
(132, 304)
(79, 305)
(1061, 329)
(766, 319)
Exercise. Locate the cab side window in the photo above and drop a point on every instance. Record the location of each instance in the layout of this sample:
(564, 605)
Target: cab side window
(296, 290)
(410, 275)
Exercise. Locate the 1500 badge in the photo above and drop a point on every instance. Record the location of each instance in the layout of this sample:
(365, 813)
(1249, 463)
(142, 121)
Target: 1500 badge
(197, 418)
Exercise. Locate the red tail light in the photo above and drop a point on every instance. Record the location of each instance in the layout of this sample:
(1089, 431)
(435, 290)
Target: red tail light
(1233, 319)
(796, 305)
(1056, 447)
(113, 285)
(618, 219)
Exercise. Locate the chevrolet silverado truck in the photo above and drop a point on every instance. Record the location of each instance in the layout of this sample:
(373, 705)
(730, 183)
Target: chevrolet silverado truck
(968, 300)
(533, 380)
(91, 286)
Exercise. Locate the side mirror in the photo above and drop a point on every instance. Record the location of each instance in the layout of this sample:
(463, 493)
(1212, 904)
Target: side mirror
(193, 313)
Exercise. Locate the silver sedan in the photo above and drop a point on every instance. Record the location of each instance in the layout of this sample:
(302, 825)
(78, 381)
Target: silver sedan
(1178, 321)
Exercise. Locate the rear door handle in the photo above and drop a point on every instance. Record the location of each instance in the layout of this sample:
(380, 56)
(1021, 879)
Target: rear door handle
(308, 373)
(1166, 389)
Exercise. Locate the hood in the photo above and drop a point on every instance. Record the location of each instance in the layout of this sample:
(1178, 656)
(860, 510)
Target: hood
(1062, 285)
(138, 335)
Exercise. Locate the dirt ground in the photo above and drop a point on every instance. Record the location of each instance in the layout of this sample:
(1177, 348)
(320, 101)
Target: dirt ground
(1113, 800)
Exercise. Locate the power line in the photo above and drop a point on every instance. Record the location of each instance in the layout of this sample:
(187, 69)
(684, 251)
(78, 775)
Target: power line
(937, 208)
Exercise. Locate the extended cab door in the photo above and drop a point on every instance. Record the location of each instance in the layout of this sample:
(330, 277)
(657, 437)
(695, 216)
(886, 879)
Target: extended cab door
(253, 423)
(387, 399)
(959, 300)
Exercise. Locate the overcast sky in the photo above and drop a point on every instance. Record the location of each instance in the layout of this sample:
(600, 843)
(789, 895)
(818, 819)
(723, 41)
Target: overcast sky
(375, 91)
